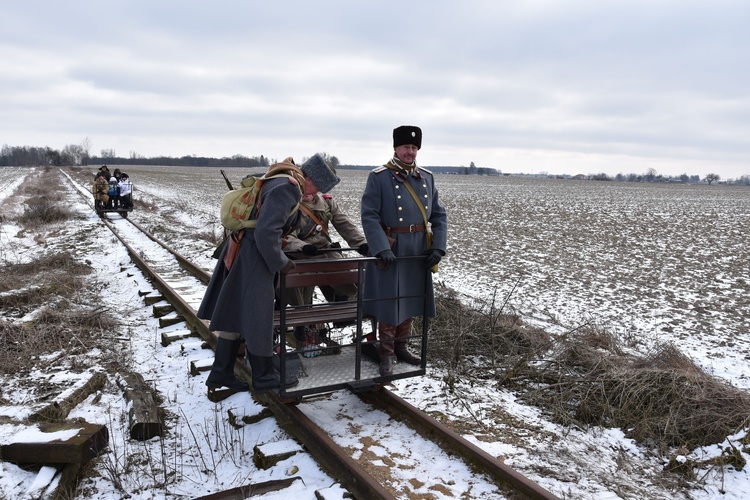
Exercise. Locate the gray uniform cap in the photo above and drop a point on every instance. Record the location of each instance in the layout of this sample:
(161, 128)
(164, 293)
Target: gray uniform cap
(320, 173)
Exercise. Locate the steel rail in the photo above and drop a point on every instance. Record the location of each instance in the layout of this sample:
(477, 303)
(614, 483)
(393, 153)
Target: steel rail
(438, 432)
(193, 269)
(335, 461)
(326, 452)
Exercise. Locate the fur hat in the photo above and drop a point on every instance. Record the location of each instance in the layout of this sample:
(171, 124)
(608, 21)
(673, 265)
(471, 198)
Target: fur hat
(407, 134)
(320, 173)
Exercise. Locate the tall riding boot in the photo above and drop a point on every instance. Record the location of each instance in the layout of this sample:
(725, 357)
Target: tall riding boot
(385, 348)
(402, 341)
(222, 371)
(265, 375)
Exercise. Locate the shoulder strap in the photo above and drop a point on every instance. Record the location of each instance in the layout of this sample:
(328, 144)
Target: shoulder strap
(424, 214)
(311, 214)
(421, 207)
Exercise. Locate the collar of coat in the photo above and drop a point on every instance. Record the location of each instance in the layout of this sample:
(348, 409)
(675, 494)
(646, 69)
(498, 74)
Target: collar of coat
(318, 201)
(402, 170)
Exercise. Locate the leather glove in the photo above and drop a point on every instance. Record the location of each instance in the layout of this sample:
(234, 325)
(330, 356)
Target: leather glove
(310, 250)
(288, 266)
(433, 257)
(364, 249)
(387, 257)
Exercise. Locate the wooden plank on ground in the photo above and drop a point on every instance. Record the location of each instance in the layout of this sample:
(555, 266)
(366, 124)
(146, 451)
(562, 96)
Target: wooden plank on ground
(65, 443)
(145, 414)
(243, 492)
(57, 411)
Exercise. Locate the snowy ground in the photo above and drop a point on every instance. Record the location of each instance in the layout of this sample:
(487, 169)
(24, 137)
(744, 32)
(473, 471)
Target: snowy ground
(660, 262)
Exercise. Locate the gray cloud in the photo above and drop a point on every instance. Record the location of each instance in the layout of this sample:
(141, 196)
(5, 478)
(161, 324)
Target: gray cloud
(538, 85)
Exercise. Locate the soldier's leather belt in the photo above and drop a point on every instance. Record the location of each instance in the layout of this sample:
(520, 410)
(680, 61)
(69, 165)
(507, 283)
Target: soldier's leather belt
(414, 228)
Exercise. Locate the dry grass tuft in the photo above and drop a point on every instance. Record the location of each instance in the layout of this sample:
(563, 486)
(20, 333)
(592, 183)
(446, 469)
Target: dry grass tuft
(43, 290)
(462, 337)
(41, 210)
(587, 377)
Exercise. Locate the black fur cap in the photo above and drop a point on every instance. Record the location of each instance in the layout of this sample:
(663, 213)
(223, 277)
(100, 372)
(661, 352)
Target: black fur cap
(407, 134)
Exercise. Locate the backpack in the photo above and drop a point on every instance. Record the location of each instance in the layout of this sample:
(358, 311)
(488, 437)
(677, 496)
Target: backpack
(240, 207)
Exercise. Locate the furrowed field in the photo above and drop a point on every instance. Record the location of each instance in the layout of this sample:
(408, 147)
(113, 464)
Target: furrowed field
(653, 262)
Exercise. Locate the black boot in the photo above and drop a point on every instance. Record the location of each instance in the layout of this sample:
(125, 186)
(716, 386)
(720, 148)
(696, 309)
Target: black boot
(222, 371)
(265, 376)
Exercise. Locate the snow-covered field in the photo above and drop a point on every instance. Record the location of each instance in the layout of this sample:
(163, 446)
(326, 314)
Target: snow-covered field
(658, 262)
(663, 262)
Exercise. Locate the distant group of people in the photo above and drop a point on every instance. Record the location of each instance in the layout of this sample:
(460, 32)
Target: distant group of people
(401, 215)
(112, 191)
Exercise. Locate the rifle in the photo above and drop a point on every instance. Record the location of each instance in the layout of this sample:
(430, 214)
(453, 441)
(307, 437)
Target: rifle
(218, 249)
(229, 183)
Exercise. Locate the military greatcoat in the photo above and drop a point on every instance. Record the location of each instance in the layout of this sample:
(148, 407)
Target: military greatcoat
(325, 208)
(387, 203)
(241, 299)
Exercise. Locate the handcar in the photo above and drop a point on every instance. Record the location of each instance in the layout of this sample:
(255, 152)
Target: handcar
(112, 201)
(345, 355)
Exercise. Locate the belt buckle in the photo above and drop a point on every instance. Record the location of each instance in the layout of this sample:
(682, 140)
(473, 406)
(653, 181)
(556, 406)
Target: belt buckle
(411, 227)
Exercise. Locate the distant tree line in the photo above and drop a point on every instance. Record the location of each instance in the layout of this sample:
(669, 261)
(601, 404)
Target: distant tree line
(439, 170)
(185, 161)
(652, 176)
(80, 154)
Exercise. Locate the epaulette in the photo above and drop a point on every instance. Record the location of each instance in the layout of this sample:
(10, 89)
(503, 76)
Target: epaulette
(327, 196)
(379, 169)
(425, 170)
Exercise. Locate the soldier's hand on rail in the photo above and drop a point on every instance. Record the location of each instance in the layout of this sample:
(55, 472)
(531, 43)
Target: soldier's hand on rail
(310, 250)
(288, 266)
(387, 257)
(433, 257)
(364, 249)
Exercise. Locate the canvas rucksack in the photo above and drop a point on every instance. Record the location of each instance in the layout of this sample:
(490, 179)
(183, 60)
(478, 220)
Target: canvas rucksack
(238, 207)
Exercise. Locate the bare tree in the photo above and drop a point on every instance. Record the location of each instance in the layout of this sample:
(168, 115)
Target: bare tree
(712, 177)
(72, 154)
(85, 150)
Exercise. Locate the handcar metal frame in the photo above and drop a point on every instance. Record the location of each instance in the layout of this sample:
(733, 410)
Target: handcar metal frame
(353, 365)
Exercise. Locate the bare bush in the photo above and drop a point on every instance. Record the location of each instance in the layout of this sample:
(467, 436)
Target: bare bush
(588, 377)
(464, 338)
(41, 210)
(660, 398)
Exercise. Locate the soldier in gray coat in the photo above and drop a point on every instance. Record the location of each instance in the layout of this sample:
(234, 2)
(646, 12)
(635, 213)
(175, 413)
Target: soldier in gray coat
(318, 213)
(239, 299)
(389, 210)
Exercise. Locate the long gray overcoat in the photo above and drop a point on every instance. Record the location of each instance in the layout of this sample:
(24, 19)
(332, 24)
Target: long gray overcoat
(241, 300)
(386, 202)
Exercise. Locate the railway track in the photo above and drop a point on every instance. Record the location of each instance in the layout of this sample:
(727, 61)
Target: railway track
(166, 269)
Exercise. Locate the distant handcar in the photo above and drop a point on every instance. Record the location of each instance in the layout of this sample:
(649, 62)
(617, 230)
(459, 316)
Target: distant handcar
(108, 199)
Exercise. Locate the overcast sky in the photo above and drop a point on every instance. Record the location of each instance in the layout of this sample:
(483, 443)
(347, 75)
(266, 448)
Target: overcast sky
(523, 86)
